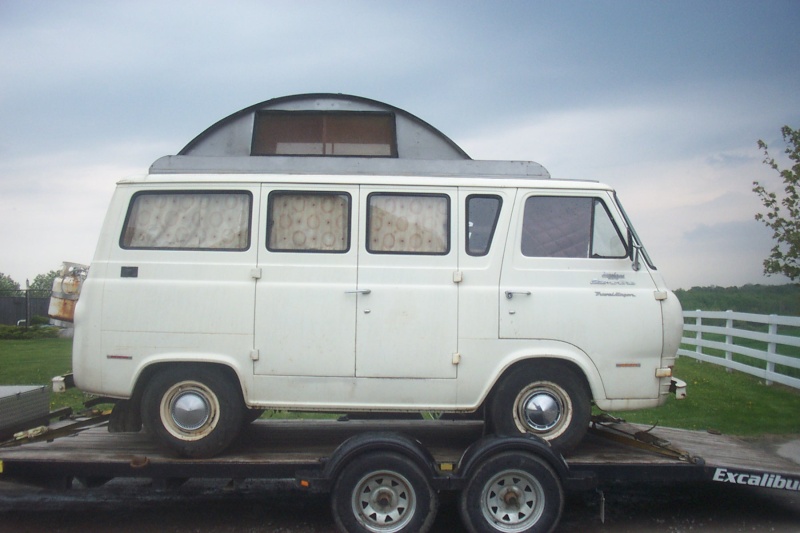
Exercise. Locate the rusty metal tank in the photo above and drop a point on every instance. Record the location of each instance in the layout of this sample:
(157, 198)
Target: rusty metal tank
(65, 293)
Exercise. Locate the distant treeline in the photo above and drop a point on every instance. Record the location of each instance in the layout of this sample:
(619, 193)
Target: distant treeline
(759, 299)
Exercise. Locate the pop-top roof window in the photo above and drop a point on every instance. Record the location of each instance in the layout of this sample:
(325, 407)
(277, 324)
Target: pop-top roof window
(324, 133)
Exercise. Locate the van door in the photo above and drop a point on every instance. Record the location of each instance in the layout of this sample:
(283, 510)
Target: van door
(567, 277)
(306, 296)
(178, 279)
(407, 316)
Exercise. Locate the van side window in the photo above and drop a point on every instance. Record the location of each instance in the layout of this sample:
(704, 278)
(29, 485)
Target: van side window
(408, 224)
(188, 220)
(308, 222)
(575, 227)
(482, 214)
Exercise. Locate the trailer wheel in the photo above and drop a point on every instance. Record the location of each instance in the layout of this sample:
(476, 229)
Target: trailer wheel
(383, 493)
(543, 399)
(194, 411)
(512, 493)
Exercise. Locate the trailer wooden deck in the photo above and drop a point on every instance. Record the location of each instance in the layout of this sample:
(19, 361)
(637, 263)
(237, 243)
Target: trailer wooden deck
(280, 448)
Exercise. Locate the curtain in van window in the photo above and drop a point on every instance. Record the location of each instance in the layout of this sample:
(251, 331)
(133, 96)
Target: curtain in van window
(309, 222)
(200, 221)
(408, 224)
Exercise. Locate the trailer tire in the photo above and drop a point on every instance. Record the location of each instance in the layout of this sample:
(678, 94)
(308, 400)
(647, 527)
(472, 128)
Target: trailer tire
(383, 493)
(195, 411)
(544, 399)
(512, 492)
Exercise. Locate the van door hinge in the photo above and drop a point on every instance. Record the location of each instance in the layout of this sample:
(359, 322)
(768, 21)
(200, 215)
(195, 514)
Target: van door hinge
(661, 295)
(255, 273)
(254, 355)
(456, 358)
(458, 276)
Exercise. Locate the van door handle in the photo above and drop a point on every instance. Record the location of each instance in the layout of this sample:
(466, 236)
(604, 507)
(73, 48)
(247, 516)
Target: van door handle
(359, 291)
(510, 294)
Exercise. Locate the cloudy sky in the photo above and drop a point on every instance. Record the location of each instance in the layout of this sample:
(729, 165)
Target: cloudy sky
(665, 101)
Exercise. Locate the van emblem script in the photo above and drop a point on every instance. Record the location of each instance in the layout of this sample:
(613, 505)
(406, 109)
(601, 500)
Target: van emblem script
(612, 278)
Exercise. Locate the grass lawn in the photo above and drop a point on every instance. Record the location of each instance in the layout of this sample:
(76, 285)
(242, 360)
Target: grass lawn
(36, 362)
(733, 403)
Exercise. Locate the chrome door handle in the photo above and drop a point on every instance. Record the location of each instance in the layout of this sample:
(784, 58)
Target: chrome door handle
(510, 294)
(359, 291)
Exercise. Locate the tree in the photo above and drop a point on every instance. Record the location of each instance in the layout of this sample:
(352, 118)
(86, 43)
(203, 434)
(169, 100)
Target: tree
(8, 287)
(43, 283)
(782, 214)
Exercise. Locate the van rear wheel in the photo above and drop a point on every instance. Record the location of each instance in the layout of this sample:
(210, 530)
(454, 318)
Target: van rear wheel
(195, 411)
(543, 399)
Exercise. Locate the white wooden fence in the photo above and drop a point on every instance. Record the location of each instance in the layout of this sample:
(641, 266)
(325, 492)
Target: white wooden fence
(719, 325)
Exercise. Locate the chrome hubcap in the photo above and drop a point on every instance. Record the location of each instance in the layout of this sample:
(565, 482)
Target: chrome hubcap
(542, 411)
(190, 410)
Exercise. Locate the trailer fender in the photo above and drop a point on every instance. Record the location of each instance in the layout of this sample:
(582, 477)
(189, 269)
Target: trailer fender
(358, 445)
(492, 445)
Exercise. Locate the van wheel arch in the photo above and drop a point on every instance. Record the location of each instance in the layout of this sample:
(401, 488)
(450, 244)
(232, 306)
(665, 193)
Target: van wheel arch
(558, 387)
(149, 371)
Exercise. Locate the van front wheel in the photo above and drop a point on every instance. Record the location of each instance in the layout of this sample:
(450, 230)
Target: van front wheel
(543, 399)
(194, 411)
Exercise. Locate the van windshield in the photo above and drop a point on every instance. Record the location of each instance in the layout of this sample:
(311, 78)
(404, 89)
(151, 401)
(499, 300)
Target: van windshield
(634, 235)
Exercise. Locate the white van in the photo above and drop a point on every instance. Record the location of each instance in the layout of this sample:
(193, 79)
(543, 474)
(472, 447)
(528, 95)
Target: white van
(333, 253)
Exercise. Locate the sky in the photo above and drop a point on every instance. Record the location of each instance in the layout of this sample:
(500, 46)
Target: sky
(664, 101)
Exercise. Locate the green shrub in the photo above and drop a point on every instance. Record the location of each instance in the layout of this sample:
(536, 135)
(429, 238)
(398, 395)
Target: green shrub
(8, 333)
(39, 320)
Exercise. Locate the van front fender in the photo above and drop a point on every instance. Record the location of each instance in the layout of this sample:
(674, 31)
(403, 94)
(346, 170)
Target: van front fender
(528, 353)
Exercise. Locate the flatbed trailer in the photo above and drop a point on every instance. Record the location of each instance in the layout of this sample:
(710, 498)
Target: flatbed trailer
(329, 456)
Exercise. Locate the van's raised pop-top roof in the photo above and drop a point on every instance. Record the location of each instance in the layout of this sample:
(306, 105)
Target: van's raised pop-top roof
(332, 134)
